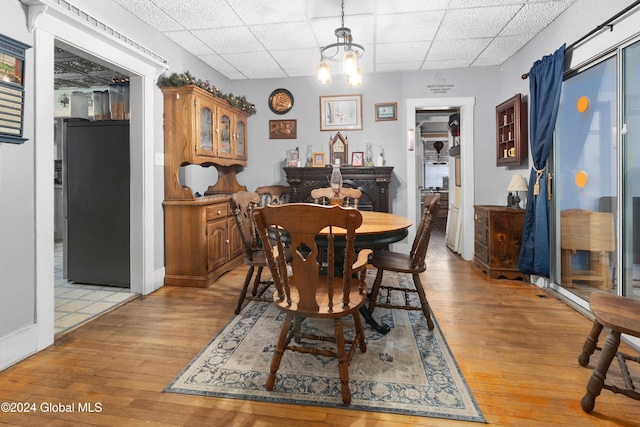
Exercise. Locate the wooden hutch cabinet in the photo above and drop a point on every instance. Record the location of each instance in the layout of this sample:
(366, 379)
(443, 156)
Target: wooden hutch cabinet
(498, 237)
(202, 241)
(511, 132)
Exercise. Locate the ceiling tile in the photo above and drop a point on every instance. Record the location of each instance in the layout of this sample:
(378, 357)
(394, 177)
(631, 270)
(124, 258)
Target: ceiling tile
(401, 52)
(404, 27)
(451, 63)
(361, 29)
(150, 14)
(502, 48)
(402, 6)
(253, 12)
(534, 17)
(194, 14)
(476, 23)
(189, 42)
(251, 61)
(229, 40)
(455, 49)
(222, 66)
(285, 36)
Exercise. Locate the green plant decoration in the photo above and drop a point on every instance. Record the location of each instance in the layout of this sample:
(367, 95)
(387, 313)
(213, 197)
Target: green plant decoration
(186, 79)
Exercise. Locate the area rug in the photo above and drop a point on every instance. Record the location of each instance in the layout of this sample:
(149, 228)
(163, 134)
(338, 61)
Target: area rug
(408, 371)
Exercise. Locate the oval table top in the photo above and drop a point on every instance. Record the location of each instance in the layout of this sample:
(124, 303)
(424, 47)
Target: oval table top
(374, 223)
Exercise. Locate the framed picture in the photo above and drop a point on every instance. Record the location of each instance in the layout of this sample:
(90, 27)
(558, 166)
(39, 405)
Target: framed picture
(292, 158)
(386, 111)
(318, 160)
(357, 158)
(12, 66)
(341, 112)
(458, 172)
(283, 129)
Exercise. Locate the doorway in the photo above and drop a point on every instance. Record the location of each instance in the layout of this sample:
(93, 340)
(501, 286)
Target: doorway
(434, 164)
(91, 190)
(463, 195)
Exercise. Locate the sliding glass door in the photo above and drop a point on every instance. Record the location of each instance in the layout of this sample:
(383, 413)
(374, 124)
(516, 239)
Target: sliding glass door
(631, 171)
(596, 184)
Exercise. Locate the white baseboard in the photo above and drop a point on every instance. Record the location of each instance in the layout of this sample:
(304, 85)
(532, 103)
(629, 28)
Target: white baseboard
(18, 346)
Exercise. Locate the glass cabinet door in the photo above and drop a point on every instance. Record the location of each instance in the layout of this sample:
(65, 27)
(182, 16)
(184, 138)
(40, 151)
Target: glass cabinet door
(241, 138)
(224, 133)
(205, 143)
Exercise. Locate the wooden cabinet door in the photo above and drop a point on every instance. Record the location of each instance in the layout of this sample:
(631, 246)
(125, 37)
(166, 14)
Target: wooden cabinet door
(241, 138)
(217, 246)
(204, 132)
(235, 241)
(225, 134)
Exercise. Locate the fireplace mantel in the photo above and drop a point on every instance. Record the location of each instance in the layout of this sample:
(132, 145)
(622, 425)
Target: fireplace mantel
(372, 181)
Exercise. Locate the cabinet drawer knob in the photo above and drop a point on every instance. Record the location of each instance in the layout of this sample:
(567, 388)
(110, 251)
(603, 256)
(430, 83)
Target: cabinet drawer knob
(218, 212)
(227, 241)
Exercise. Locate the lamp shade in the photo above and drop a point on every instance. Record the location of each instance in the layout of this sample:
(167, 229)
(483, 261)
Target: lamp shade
(517, 183)
(324, 73)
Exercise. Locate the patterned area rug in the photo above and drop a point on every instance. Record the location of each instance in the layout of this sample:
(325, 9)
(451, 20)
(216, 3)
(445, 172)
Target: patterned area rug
(408, 371)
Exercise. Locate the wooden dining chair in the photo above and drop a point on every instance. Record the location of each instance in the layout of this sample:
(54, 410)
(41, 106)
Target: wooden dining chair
(303, 292)
(243, 204)
(619, 315)
(348, 196)
(274, 194)
(412, 263)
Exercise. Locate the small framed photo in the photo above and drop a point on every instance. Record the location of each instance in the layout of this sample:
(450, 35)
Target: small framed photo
(318, 160)
(283, 129)
(357, 158)
(386, 111)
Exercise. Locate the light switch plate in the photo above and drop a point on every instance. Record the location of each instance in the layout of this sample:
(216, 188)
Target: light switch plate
(159, 159)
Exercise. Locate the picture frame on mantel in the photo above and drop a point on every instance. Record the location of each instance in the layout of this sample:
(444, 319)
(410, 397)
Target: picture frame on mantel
(343, 112)
(318, 160)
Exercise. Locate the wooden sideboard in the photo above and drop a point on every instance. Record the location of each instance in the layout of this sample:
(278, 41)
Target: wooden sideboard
(202, 241)
(498, 237)
(372, 181)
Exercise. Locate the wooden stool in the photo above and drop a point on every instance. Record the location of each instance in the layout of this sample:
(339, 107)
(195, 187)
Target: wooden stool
(619, 315)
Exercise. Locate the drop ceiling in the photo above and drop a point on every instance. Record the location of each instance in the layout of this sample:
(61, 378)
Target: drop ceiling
(72, 71)
(257, 39)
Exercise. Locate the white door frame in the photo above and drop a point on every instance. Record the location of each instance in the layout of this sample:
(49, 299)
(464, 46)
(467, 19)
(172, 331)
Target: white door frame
(51, 22)
(465, 105)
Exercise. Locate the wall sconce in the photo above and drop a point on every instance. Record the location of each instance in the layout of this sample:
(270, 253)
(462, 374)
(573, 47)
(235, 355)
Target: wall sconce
(411, 139)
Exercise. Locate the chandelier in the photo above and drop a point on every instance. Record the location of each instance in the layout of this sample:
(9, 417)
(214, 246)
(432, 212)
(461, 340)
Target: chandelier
(351, 53)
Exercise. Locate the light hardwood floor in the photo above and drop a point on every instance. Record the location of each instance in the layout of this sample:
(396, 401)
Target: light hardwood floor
(516, 345)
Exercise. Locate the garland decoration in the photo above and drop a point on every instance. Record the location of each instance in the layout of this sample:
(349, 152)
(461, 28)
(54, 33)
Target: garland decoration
(186, 79)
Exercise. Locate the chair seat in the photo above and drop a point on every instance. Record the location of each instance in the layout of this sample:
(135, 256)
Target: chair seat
(620, 315)
(395, 261)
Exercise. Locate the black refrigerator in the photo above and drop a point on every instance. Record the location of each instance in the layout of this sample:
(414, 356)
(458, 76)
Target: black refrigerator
(96, 187)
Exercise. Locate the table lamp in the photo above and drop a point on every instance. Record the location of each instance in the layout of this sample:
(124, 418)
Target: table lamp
(516, 184)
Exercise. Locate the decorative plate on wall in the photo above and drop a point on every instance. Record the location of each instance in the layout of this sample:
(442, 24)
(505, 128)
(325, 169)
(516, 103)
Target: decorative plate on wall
(280, 101)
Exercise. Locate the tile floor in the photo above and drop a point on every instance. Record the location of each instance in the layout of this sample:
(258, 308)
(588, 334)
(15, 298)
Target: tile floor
(77, 303)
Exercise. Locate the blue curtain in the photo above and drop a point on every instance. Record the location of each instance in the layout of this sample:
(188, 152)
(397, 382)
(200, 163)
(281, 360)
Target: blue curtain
(545, 83)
